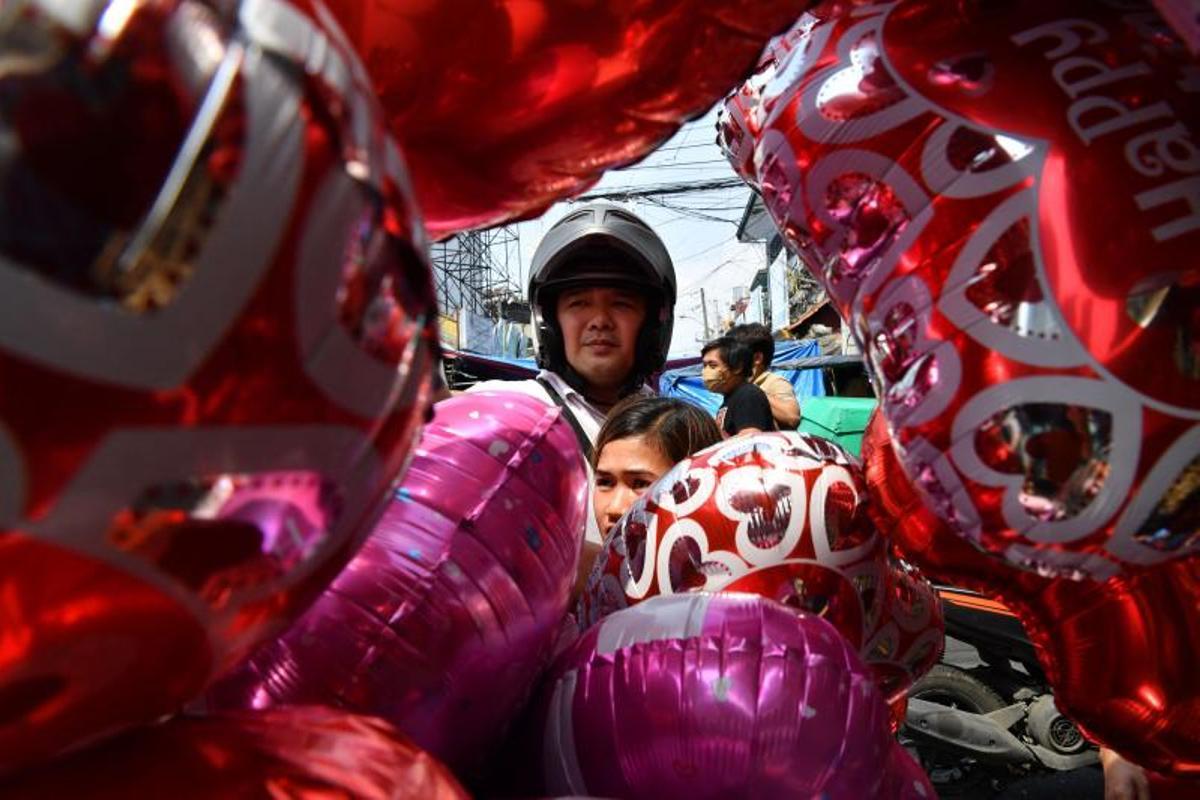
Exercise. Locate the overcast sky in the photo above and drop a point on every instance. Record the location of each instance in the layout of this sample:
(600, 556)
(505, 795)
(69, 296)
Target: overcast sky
(704, 250)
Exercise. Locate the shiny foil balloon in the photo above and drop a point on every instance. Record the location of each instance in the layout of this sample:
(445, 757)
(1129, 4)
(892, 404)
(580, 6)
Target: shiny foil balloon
(215, 335)
(444, 619)
(288, 752)
(1122, 655)
(777, 514)
(1001, 198)
(718, 695)
(910, 634)
(737, 126)
(506, 106)
(741, 116)
(1184, 18)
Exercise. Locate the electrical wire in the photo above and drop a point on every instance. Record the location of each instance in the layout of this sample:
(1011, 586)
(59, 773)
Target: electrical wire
(660, 190)
(675, 165)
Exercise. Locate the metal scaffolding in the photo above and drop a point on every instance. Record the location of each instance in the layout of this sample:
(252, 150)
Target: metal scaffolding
(475, 270)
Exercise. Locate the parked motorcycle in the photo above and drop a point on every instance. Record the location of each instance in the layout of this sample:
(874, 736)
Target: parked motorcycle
(985, 718)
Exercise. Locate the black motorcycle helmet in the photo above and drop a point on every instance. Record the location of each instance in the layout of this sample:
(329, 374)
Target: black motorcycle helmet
(600, 244)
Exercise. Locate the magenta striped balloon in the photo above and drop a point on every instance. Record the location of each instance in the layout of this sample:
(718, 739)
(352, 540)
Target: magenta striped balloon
(718, 695)
(446, 617)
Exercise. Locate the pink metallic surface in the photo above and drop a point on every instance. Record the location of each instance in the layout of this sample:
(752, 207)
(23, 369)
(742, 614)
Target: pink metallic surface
(718, 695)
(446, 616)
(215, 344)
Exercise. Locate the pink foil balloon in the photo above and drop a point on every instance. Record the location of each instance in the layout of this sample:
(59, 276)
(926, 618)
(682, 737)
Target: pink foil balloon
(449, 612)
(903, 777)
(717, 695)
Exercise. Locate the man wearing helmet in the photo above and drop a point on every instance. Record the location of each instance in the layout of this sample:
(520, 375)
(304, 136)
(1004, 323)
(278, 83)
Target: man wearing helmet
(602, 298)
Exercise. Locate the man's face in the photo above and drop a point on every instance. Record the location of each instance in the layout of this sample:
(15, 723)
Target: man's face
(715, 373)
(600, 327)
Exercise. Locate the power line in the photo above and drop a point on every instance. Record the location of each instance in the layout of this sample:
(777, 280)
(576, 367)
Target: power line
(691, 212)
(677, 165)
(673, 148)
(709, 249)
(661, 189)
(696, 283)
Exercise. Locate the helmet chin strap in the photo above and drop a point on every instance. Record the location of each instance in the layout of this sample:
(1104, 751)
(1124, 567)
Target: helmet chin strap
(580, 384)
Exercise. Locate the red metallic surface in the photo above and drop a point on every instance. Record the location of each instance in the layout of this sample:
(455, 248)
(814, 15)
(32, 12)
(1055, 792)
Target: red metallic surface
(213, 369)
(505, 106)
(301, 752)
(1000, 198)
(1122, 655)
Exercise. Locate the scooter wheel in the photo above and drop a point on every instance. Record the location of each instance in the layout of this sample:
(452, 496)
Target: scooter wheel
(953, 774)
(955, 688)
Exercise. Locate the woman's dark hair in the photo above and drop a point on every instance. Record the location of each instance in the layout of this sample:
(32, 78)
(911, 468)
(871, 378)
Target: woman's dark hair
(677, 428)
(736, 354)
(758, 337)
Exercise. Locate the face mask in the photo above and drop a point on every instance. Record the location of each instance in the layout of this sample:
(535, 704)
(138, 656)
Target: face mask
(714, 378)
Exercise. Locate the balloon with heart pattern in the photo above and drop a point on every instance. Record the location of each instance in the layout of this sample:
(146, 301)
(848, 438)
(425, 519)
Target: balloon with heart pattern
(215, 340)
(780, 515)
(1121, 656)
(1001, 200)
(910, 634)
(506, 106)
(741, 116)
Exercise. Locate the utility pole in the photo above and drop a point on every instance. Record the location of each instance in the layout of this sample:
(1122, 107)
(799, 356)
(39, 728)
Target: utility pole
(704, 311)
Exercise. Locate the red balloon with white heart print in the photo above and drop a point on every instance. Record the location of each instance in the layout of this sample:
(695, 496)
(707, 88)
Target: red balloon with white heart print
(215, 337)
(1003, 200)
(1121, 656)
(782, 515)
(910, 634)
(506, 106)
(741, 117)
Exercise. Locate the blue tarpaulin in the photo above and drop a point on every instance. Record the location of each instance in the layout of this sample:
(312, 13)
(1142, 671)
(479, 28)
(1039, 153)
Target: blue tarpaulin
(681, 379)
(685, 382)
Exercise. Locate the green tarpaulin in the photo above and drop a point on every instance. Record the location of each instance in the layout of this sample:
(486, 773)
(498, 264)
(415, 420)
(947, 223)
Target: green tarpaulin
(841, 419)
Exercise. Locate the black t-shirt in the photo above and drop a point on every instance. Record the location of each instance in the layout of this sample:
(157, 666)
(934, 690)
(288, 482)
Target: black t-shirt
(745, 407)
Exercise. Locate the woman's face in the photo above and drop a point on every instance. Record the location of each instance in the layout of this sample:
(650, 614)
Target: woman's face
(625, 469)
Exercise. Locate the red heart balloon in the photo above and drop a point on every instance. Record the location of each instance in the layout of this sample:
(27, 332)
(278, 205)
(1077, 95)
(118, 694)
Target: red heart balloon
(741, 117)
(505, 106)
(214, 347)
(781, 515)
(1001, 198)
(1121, 656)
